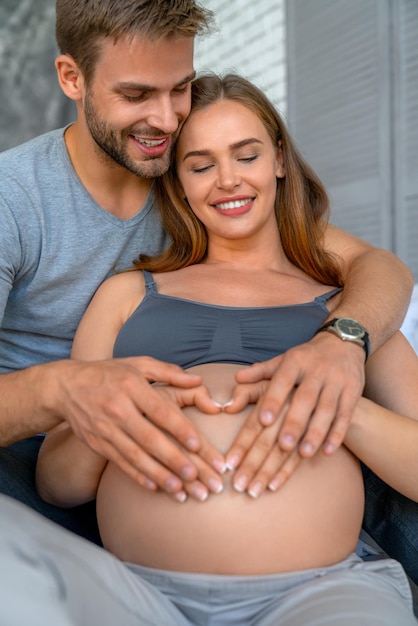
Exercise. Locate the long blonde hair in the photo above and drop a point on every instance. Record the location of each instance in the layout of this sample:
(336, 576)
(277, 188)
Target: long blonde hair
(301, 206)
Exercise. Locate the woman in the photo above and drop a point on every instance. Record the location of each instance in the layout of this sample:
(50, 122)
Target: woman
(245, 278)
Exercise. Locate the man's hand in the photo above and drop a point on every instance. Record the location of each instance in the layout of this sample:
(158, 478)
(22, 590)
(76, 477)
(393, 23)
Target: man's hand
(327, 377)
(113, 408)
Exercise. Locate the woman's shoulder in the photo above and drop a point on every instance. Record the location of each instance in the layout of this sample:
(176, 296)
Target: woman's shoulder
(120, 294)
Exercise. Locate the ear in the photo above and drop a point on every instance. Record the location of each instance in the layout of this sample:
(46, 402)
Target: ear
(280, 169)
(70, 77)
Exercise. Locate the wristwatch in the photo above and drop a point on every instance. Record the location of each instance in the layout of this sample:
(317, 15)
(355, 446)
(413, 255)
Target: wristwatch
(348, 330)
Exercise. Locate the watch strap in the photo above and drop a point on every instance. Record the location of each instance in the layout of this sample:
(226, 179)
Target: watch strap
(363, 341)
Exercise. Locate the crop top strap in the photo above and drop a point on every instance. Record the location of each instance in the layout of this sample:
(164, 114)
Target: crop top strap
(327, 296)
(150, 284)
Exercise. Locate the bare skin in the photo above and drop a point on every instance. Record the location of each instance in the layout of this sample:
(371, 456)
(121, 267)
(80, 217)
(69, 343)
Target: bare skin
(113, 419)
(231, 533)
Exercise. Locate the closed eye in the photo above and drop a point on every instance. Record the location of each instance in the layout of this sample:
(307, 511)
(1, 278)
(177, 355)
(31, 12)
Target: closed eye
(200, 170)
(182, 89)
(249, 159)
(137, 98)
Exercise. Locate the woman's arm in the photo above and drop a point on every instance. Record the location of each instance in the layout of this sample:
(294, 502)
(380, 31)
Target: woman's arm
(387, 443)
(69, 471)
(386, 439)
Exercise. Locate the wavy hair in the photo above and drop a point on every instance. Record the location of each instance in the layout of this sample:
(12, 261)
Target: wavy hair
(301, 206)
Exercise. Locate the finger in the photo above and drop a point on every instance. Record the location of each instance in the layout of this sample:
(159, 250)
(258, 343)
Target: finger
(258, 371)
(297, 414)
(165, 415)
(210, 463)
(285, 471)
(201, 399)
(155, 370)
(141, 466)
(195, 396)
(255, 458)
(207, 452)
(138, 439)
(342, 421)
(268, 476)
(244, 440)
(243, 395)
(209, 482)
(322, 422)
(287, 376)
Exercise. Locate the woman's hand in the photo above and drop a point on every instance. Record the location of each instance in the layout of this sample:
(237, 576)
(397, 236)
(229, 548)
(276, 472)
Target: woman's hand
(207, 481)
(265, 465)
(258, 460)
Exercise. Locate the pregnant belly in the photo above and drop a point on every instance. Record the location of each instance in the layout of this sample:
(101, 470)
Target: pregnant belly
(312, 521)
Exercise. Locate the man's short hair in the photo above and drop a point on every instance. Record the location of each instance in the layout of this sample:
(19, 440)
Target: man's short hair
(81, 25)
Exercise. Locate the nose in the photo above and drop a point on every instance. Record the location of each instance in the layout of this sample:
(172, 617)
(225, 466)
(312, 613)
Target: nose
(228, 177)
(163, 115)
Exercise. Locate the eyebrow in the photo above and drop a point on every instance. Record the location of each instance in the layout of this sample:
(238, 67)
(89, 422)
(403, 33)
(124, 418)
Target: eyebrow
(150, 88)
(232, 146)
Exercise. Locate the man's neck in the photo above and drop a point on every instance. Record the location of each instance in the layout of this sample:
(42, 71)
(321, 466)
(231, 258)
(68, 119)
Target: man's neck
(113, 188)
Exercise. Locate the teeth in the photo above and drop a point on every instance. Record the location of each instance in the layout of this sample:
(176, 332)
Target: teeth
(233, 205)
(150, 143)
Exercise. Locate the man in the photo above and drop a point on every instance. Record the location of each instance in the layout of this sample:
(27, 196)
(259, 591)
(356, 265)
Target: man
(77, 204)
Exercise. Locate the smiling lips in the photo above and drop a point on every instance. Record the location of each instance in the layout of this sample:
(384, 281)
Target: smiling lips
(236, 207)
(152, 147)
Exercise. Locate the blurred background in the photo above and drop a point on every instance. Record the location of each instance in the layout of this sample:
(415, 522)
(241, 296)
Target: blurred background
(344, 73)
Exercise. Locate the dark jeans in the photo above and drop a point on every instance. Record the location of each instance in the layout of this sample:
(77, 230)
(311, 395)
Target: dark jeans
(17, 479)
(392, 521)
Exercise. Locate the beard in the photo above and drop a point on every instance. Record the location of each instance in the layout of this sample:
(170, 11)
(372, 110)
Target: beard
(113, 145)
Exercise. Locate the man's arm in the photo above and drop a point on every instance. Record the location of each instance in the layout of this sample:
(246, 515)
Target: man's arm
(377, 289)
(327, 373)
(112, 407)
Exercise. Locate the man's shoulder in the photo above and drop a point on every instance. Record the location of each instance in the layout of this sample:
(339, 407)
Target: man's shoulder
(33, 149)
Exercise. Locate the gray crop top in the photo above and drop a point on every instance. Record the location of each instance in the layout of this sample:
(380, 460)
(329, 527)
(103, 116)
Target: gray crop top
(190, 333)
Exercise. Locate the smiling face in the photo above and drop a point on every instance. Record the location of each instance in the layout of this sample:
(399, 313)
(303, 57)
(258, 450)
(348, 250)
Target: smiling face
(137, 100)
(228, 166)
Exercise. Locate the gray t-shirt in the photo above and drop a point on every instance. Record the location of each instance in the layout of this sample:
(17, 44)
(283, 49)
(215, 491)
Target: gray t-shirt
(56, 247)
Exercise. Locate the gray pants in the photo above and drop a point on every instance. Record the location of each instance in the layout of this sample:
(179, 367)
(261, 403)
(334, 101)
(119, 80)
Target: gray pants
(51, 577)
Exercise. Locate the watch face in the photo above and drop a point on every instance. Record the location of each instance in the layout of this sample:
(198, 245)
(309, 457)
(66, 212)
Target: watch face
(350, 328)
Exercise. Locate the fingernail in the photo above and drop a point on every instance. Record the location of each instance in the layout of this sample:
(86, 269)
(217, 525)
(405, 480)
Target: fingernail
(199, 493)
(188, 472)
(267, 417)
(219, 466)
(172, 484)
(240, 484)
(275, 484)
(192, 443)
(150, 484)
(255, 490)
(180, 496)
(287, 440)
(307, 448)
(216, 486)
(222, 405)
(232, 462)
(329, 448)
